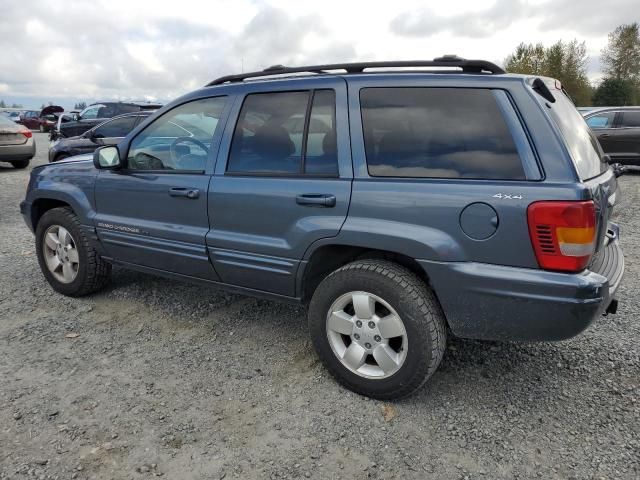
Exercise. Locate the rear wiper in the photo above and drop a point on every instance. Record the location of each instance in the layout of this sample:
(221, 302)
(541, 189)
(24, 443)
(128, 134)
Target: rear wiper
(541, 89)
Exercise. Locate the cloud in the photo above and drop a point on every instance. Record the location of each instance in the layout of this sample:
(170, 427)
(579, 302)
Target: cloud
(586, 17)
(424, 22)
(77, 49)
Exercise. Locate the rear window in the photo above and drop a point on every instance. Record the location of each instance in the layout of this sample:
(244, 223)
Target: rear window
(630, 119)
(583, 145)
(437, 133)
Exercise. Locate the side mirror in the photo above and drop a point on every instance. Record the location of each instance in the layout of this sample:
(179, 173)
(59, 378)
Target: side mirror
(107, 158)
(606, 158)
(76, 117)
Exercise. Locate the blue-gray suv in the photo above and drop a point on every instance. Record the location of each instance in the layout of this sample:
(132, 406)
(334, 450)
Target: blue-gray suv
(399, 201)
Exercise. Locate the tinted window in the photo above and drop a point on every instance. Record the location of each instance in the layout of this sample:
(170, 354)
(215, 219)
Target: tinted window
(119, 127)
(321, 156)
(630, 119)
(269, 135)
(179, 139)
(583, 145)
(126, 108)
(437, 132)
(601, 120)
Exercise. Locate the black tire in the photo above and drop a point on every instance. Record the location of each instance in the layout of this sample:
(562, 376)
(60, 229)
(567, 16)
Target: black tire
(20, 164)
(93, 272)
(418, 308)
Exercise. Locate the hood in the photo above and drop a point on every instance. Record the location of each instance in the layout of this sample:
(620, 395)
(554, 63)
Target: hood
(51, 109)
(76, 158)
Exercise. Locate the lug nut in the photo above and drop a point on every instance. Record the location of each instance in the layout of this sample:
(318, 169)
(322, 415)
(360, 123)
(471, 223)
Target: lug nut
(372, 325)
(358, 323)
(377, 338)
(368, 345)
(356, 336)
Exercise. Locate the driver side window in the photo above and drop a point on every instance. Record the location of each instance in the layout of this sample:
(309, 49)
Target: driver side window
(179, 140)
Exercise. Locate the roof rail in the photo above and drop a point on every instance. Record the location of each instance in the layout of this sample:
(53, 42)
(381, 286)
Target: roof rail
(467, 66)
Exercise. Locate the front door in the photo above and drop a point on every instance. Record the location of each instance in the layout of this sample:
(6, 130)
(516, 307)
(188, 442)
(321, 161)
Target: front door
(282, 181)
(153, 212)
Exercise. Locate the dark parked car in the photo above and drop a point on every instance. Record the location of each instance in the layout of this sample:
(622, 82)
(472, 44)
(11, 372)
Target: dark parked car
(44, 120)
(97, 113)
(107, 133)
(16, 143)
(618, 131)
(393, 203)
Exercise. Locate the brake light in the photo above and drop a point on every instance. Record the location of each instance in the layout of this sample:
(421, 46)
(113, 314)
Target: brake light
(563, 234)
(27, 133)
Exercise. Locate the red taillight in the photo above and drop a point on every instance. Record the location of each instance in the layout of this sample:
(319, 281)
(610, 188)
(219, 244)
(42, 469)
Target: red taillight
(27, 133)
(563, 234)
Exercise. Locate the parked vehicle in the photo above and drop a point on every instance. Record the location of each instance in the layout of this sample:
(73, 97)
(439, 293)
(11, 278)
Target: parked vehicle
(97, 113)
(16, 143)
(107, 133)
(44, 120)
(14, 115)
(393, 203)
(618, 131)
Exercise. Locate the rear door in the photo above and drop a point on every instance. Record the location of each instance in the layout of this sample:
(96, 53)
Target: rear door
(627, 137)
(154, 213)
(282, 181)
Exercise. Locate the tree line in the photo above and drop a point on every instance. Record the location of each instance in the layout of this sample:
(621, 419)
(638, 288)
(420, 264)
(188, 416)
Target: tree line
(567, 62)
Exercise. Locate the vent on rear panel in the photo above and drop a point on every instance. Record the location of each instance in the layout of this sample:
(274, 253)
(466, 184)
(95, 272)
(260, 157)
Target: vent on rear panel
(545, 239)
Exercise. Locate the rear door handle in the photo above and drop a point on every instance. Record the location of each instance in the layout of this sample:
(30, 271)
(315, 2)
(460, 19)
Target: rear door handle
(316, 200)
(191, 193)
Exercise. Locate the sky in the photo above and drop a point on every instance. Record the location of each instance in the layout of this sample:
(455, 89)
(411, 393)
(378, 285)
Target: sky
(65, 51)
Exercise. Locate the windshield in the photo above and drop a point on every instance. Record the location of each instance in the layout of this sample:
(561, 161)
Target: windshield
(583, 145)
(5, 122)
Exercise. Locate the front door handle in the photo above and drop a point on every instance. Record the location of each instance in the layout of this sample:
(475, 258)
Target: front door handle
(604, 135)
(191, 193)
(316, 200)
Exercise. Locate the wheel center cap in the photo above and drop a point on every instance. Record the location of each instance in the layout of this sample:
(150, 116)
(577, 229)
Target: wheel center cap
(367, 335)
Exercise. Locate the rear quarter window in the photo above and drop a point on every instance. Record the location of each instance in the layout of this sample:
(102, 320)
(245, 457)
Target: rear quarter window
(431, 132)
(583, 146)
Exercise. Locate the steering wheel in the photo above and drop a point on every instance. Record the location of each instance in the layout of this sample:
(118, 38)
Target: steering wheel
(175, 157)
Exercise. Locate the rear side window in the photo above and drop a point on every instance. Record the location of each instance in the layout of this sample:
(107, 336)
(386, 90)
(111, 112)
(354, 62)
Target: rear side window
(437, 133)
(630, 119)
(290, 133)
(581, 142)
(601, 120)
(117, 128)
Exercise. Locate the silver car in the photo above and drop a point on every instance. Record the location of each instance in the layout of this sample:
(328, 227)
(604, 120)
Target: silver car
(16, 143)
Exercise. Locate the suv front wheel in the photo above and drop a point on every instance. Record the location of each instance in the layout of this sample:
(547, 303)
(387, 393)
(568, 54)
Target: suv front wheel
(68, 261)
(378, 328)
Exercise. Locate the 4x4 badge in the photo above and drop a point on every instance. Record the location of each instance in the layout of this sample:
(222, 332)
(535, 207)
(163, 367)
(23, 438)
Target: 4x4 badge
(506, 196)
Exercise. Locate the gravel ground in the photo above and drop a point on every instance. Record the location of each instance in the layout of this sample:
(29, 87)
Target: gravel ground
(156, 378)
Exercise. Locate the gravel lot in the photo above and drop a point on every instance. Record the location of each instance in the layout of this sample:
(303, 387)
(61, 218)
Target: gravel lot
(157, 378)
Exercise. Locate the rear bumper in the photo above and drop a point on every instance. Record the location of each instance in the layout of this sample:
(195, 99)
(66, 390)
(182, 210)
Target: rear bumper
(494, 302)
(12, 153)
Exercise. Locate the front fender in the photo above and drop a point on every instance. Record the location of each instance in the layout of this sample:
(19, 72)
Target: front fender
(68, 182)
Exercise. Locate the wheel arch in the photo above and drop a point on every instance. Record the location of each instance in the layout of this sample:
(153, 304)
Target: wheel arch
(40, 206)
(328, 257)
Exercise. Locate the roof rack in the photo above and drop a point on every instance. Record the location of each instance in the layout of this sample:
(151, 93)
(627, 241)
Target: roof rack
(467, 66)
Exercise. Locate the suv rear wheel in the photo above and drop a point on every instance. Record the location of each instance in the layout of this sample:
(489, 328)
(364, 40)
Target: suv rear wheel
(378, 328)
(68, 261)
